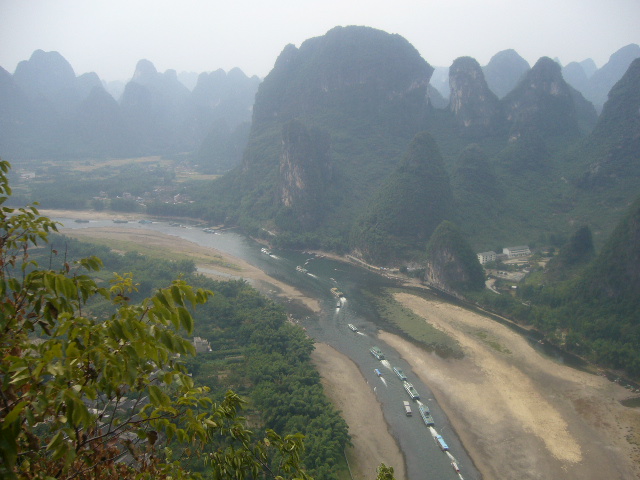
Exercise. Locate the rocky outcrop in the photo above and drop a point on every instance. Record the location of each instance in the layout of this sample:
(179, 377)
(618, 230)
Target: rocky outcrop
(475, 107)
(451, 264)
(305, 172)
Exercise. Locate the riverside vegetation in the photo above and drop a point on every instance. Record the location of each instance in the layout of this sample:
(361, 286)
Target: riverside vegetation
(90, 375)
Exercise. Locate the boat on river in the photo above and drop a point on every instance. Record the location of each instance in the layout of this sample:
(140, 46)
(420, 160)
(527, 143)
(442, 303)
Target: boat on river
(376, 352)
(301, 269)
(441, 443)
(336, 292)
(426, 415)
(411, 391)
(352, 327)
(378, 372)
(265, 250)
(400, 373)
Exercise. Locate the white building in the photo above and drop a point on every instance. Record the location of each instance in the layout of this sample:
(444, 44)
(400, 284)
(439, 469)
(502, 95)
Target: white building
(485, 257)
(520, 251)
(201, 345)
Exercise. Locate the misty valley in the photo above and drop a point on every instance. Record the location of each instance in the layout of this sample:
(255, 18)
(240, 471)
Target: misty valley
(475, 227)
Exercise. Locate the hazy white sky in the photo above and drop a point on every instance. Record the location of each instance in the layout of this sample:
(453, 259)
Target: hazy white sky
(110, 36)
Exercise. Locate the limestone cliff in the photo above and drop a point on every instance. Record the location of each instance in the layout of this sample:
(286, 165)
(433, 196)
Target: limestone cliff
(475, 107)
(305, 172)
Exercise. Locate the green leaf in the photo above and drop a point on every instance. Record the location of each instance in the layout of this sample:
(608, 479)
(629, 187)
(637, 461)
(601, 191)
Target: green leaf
(13, 414)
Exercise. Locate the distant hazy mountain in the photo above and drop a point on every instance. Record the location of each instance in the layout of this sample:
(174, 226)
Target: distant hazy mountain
(575, 76)
(188, 79)
(605, 78)
(440, 80)
(49, 112)
(504, 71)
(47, 76)
(589, 67)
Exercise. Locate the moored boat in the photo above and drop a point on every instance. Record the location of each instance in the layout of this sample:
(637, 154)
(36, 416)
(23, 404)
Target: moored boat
(400, 373)
(407, 408)
(426, 415)
(411, 391)
(376, 352)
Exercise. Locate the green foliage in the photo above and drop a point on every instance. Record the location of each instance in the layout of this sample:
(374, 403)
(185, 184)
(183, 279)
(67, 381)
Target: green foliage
(577, 252)
(408, 207)
(84, 397)
(385, 473)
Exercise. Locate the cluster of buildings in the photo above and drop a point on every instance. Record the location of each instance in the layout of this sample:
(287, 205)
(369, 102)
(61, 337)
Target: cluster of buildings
(507, 253)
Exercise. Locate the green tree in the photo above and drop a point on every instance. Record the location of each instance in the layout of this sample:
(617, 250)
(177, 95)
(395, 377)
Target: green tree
(85, 397)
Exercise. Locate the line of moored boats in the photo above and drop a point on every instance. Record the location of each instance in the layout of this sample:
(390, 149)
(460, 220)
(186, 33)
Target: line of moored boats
(427, 418)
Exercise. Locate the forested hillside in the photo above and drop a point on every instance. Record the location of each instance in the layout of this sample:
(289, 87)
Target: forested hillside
(255, 351)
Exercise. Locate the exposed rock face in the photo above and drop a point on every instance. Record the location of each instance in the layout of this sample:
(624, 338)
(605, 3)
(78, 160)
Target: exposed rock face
(475, 107)
(305, 171)
(504, 71)
(451, 264)
(542, 102)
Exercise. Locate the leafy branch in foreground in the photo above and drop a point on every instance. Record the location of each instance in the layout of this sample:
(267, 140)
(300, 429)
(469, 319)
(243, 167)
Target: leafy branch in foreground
(84, 397)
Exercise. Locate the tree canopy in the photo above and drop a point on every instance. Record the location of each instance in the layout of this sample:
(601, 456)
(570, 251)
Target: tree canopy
(86, 397)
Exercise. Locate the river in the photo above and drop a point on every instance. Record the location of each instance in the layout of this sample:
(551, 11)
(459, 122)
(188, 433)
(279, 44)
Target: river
(423, 457)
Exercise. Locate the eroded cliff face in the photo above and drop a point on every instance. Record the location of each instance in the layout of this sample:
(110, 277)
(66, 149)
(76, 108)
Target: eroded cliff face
(305, 171)
(475, 107)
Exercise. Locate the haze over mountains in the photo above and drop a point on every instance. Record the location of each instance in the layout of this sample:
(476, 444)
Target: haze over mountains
(348, 145)
(320, 142)
(49, 112)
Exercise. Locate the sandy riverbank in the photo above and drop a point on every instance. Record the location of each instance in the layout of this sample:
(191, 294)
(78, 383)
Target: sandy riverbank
(519, 414)
(347, 388)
